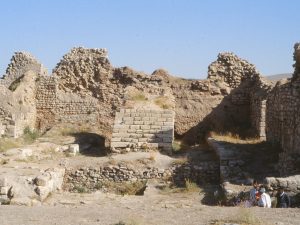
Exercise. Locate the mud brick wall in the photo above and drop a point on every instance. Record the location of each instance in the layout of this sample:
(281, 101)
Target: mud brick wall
(136, 129)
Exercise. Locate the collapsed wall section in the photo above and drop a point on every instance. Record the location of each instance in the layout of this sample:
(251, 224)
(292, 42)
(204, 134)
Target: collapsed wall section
(20, 63)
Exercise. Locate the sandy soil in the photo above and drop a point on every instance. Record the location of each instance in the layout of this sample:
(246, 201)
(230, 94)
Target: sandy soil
(152, 208)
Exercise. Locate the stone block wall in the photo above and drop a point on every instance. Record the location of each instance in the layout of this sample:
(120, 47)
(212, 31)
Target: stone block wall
(258, 116)
(138, 129)
(79, 111)
(283, 125)
(54, 106)
(283, 119)
(45, 102)
(91, 178)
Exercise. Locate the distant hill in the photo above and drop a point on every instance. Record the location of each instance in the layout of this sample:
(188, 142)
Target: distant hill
(277, 77)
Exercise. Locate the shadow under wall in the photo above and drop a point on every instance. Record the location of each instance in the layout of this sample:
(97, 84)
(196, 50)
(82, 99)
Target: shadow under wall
(90, 144)
(227, 116)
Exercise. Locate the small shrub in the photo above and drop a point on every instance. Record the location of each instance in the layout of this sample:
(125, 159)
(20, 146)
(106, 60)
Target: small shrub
(163, 102)
(181, 161)
(152, 156)
(30, 135)
(138, 97)
(191, 186)
(80, 189)
(178, 145)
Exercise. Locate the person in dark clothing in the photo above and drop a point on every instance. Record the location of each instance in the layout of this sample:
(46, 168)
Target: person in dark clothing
(283, 200)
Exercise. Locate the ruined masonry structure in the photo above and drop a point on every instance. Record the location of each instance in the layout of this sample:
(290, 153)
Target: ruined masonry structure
(141, 129)
(85, 89)
(283, 119)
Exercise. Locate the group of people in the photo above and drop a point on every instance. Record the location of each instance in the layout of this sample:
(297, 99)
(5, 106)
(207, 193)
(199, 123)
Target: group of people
(259, 197)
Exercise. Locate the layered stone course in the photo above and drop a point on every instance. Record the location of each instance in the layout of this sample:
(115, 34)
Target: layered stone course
(283, 119)
(142, 129)
(92, 177)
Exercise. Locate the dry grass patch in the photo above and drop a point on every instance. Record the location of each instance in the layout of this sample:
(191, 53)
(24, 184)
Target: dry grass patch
(8, 143)
(189, 187)
(163, 102)
(126, 187)
(180, 161)
(178, 145)
(243, 217)
(234, 138)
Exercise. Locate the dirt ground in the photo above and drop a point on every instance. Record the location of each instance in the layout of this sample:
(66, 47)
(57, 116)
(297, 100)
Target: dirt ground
(153, 208)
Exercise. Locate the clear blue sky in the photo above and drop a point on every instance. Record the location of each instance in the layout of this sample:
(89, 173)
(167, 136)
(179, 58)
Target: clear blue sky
(182, 36)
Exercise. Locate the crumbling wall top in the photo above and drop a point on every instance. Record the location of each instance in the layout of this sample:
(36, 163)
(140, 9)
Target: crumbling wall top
(232, 70)
(296, 74)
(21, 62)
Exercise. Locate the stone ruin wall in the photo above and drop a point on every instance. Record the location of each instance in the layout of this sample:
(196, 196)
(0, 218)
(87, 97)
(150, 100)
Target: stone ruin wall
(247, 96)
(85, 88)
(19, 108)
(283, 119)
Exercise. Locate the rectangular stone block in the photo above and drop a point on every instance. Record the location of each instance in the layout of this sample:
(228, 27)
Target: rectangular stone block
(128, 122)
(127, 119)
(137, 118)
(131, 131)
(143, 139)
(155, 127)
(149, 122)
(115, 135)
(149, 135)
(137, 127)
(114, 139)
(120, 144)
(121, 126)
(126, 140)
(166, 129)
(138, 122)
(136, 135)
(161, 119)
(168, 124)
(145, 127)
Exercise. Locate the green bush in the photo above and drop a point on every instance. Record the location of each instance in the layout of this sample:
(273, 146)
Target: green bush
(30, 135)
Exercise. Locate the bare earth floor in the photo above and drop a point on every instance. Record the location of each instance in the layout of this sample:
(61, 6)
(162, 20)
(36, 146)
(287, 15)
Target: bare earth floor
(152, 208)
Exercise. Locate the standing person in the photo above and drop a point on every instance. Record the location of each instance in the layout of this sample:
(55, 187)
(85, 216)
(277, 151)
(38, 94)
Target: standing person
(283, 200)
(253, 193)
(265, 200)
